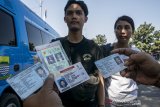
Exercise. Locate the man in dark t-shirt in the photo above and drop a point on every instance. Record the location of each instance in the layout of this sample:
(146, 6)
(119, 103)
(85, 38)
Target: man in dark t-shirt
(80, 49)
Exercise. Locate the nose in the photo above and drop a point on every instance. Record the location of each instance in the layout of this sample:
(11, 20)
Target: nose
(74, 15)
(123, 30)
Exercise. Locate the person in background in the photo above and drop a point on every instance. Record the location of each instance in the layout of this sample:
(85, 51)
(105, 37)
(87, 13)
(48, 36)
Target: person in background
(80, 49)
(121, 91)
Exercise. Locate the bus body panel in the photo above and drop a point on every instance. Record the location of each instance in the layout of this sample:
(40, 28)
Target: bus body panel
(20, 31)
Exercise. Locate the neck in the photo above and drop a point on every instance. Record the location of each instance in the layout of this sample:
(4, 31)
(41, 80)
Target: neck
(121, 45)
(75, 37)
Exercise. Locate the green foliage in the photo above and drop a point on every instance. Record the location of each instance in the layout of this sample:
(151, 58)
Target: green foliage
(100, 39)
(146, 38)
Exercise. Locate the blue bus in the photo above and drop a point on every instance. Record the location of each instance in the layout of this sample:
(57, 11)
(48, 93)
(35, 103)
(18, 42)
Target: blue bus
(20, 31)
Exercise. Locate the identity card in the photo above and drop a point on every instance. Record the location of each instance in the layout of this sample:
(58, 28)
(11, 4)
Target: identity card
(53, 56)
(71, 77)
(28, 81)
(110, 65)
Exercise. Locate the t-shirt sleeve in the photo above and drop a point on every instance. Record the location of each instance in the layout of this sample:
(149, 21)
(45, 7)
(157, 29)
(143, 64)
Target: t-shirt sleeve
(98, 55)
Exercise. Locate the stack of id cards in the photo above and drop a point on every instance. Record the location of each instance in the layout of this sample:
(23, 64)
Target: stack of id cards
(110, 65)
(54, 60)
(28, 81)
(66, 76)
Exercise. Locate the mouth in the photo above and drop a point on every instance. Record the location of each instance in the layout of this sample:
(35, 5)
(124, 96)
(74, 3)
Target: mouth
(122, 37)
(74, 22)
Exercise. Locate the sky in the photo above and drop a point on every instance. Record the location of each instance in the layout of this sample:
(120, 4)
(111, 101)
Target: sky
(102, 15)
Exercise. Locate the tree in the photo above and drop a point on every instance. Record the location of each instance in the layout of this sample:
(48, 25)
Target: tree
(100, 39)
(147, 38)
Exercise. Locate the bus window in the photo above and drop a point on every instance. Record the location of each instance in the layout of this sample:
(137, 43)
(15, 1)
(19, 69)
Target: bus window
(34, 36)
(7, 33)
(46, 37)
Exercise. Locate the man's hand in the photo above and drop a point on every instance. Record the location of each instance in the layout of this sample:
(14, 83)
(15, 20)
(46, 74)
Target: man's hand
(46, 97)
(141, 66)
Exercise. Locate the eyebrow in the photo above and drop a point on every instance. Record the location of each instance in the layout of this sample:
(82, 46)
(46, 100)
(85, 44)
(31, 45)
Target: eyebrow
(122, 25)
(74, 10)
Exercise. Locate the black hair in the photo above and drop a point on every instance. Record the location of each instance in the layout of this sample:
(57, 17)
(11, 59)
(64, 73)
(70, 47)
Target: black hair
(127, 19)
(80, 3)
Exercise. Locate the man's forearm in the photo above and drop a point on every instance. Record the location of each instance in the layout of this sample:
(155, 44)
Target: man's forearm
(101, 92)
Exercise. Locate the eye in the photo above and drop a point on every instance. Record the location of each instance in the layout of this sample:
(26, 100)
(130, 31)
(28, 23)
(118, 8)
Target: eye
(127, 27)
(78, 12)
(69, 13)
(119, 27)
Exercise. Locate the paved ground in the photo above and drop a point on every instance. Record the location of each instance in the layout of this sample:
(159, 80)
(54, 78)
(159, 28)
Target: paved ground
(149, 96)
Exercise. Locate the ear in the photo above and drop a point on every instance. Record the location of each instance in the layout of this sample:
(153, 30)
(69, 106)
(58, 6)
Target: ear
(86, 18)
(65, 19)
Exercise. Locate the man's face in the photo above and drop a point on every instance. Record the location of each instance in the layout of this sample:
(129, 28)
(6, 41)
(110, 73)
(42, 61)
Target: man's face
(75, 17)
(123, 31)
